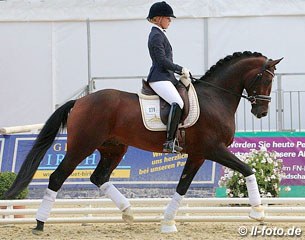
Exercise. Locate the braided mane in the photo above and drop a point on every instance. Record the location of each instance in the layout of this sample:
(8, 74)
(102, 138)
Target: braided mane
(228, 59)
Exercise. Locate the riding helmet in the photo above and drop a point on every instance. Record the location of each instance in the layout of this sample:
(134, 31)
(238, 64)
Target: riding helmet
(160, 9)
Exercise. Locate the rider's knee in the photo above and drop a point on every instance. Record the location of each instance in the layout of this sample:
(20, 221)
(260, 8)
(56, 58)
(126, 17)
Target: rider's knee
(179, 102)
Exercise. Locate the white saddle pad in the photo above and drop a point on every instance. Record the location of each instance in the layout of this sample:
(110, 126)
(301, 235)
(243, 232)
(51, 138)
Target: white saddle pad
(150, 108)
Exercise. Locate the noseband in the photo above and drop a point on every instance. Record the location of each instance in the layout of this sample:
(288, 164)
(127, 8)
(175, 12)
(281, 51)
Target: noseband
(253, 98)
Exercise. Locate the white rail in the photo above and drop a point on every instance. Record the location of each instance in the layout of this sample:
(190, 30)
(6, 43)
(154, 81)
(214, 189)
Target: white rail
(202, 201)
(151, 210)
(21, 129)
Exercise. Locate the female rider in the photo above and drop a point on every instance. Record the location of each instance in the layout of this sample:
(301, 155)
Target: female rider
(161, 77)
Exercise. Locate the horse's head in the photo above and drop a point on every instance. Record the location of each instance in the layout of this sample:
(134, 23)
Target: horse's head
(259, 88)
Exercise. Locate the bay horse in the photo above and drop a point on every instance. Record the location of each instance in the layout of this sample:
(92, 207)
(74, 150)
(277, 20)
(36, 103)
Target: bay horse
(110, 121)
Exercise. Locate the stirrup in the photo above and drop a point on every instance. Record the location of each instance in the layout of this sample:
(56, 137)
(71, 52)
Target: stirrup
(171, 147)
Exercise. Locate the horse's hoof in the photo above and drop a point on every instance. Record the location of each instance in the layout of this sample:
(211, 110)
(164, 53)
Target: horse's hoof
(168, 227)
(36, 231)
(257, 213)
(127, 215)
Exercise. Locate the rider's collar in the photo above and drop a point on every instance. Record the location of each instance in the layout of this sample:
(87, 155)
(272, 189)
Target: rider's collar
(161, 29)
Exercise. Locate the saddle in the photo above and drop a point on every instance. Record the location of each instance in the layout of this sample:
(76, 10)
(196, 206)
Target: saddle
(165, 106)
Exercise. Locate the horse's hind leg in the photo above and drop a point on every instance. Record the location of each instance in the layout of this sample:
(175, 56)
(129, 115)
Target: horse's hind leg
(57, 178)
(191, 167)
(111, 155)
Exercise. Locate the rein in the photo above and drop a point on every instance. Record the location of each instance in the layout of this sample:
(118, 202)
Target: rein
(253, 98)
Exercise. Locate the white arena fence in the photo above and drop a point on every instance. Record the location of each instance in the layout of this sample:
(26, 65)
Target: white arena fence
(21, 129)
(151, 210)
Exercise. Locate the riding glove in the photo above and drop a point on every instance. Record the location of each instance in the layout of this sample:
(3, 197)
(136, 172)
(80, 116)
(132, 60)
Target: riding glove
(185, 72)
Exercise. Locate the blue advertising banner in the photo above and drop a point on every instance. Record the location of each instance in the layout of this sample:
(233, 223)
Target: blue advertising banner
(141, 169)
(138, 168)
(1, 150)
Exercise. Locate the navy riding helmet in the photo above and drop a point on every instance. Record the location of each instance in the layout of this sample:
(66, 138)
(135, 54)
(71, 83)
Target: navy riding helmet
(160, 9)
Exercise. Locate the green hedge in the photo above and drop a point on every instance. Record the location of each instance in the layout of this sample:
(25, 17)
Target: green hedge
(6, 180)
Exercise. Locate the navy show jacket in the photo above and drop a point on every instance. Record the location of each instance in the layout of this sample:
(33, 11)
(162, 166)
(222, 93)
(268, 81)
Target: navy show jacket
(160, 51)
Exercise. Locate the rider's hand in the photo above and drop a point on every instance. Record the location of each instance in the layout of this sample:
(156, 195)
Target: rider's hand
(185, 73)
(185, 77)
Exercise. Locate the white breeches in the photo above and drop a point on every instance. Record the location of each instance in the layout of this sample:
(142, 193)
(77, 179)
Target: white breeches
(167, 91)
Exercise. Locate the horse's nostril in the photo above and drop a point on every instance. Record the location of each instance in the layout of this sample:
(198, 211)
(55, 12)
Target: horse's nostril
(264, 114)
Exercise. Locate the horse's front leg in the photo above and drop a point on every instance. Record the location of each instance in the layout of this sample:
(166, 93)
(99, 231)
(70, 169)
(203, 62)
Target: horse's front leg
(223, 156)
(191, 167)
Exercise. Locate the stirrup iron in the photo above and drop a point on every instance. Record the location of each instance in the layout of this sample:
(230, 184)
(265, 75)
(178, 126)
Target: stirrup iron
(172, 146)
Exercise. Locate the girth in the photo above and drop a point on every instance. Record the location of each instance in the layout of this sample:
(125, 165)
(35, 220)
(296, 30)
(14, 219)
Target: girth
(164, 106)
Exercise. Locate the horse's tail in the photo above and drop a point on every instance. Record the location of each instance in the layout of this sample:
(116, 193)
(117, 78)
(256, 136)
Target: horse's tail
(43, 142)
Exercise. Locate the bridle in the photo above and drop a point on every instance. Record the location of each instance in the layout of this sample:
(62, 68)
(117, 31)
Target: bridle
(253, 98)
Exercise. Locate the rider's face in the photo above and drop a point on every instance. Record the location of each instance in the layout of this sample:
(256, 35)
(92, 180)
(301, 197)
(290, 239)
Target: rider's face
(164, 22)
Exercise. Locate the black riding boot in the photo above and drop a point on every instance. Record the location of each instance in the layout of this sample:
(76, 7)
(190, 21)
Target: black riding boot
(173, 120)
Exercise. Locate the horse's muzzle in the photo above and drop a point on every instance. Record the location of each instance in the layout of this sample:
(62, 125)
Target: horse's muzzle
(259, 112)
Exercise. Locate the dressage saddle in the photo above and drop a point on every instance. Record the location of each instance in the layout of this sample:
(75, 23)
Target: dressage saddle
(164, 106)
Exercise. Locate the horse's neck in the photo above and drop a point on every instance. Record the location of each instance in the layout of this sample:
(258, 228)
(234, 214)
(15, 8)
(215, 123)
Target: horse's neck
(229, 89)
(231, 79)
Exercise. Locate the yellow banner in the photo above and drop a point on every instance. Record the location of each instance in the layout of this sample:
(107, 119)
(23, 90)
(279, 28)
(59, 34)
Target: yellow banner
(117, 173)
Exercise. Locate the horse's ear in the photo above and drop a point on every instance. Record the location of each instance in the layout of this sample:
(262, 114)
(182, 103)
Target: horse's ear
(272, 63)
